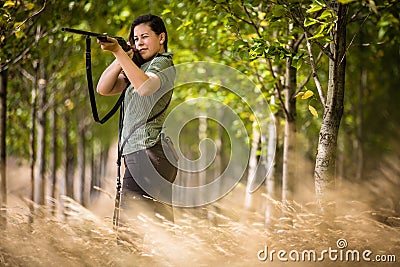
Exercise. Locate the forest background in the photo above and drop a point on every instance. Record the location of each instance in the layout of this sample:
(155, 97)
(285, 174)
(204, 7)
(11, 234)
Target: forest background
(329, 71)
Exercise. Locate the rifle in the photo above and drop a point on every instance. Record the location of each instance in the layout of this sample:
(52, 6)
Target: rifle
(99, 36)
(137, 58)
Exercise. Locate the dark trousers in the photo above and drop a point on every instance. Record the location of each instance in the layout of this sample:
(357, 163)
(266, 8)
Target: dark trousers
(143, 191)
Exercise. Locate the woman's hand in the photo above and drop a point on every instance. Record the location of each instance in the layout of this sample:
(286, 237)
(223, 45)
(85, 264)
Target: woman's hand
(111, 45)
(113, 79)
(130, 52)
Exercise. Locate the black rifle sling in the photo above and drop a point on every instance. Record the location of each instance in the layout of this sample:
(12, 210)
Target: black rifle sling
(91, 90)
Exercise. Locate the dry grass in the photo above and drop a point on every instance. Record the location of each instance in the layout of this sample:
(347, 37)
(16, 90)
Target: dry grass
(222, 234)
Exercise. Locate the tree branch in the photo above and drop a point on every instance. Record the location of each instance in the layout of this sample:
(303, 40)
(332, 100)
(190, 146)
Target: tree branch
(301, 25)
(314, 72)
(28, 18)
(252, 23)
(352, 39)
(26, 74)
(6, 64)
(278, 87)
(260, 81)
(298, 42)
(228, 9)
(278, 84)
(310, 74)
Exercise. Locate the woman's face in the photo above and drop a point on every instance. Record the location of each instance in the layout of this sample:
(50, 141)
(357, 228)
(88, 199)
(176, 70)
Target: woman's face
(147, 42)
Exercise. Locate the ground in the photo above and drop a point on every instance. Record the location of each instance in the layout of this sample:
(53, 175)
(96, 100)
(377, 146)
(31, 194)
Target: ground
(364, 232)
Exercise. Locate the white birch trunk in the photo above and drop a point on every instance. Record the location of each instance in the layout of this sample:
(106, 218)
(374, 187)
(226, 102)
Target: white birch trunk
(202, 175)
(325, 163)
(270, 179)
(253, 162)
(289, 142)
(41, 181)
(53, 155)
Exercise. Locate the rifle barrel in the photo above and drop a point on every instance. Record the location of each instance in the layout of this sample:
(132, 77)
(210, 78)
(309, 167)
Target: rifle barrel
(82, 32)
(101, 36)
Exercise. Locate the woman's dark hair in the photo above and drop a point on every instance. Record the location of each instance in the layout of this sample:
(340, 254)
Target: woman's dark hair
(156, 24)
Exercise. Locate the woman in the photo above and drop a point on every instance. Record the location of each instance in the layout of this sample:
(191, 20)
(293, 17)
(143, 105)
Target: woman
(148, 94)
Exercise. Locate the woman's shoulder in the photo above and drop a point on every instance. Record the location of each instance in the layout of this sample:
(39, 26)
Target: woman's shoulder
(160, 62)
(165, 57)
(166, 54)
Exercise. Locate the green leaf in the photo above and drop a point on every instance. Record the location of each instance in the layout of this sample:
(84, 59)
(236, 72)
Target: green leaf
(381, 33)
(314, 8)
(19, 34)
(346, 1)
(326, 14)
(278, 10)
(29, 6)
(310, 21)
(166, 11)
(298, 56)
(318, 35)
(327, 39)
(297, 61)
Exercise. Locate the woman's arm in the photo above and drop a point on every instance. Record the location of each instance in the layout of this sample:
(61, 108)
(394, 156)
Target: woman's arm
(144, 83)
(111, 81)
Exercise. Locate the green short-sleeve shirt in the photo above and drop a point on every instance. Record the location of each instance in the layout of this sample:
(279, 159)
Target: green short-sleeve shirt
(139, 108)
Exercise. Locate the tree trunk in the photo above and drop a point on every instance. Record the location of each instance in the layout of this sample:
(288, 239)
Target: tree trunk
(81, 161)
(68, 158)
(32, 138)
(218, 156)
(94, 172)
(202, 175)
(98, 170)
(360, 124)
(289, 142)
(41, 181)
(270, 180)
(3, 119)
(53, 155)
(253, 163)
(103, 154)
(324, 173)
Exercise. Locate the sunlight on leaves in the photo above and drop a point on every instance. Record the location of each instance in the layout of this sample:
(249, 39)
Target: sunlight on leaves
(166, 11)
(307, 94)
(309, 21)
(313, 111)
(346, 1)
(9, 4)
(314, 8)
(29, 6)
(326, 14)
